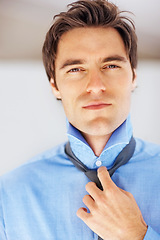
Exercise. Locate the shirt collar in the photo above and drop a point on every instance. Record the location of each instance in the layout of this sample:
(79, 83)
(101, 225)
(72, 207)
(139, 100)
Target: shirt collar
(118, 140)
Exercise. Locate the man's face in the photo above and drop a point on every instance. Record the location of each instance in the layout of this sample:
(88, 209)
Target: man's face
(94, 79)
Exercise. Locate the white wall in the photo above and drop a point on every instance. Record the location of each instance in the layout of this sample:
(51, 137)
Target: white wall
(32, 120)
(145, 109)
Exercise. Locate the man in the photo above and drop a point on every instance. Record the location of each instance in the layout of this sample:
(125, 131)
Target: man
(90, 59)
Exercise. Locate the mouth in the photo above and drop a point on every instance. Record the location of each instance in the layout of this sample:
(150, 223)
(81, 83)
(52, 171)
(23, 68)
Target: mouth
(96, 106)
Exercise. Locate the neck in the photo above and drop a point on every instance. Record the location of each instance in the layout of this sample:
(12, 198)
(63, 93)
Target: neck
(97, 143)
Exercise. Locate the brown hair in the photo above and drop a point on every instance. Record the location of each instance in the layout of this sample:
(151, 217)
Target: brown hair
(89, 13)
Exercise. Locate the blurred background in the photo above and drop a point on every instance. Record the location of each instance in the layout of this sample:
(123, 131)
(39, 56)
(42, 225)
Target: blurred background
(31, 120)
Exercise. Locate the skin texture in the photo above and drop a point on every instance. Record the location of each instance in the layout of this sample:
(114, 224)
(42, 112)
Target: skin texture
(92, 67)
(95, 81)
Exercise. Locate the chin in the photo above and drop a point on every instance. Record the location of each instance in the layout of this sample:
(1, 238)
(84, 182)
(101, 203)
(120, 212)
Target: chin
(99, 127)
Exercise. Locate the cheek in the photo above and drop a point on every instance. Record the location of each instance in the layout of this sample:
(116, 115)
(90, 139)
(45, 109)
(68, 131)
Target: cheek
(123, 94)
(68, 100)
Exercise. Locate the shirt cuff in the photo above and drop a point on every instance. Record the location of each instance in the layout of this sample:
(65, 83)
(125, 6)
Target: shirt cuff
(151, 234)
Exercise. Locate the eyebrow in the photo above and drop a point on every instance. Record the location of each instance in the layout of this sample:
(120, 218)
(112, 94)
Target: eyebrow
(70, 62)
(114, 58)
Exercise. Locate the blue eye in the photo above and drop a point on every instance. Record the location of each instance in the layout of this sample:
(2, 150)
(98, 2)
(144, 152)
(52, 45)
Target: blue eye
(74, 70)
(112, 66)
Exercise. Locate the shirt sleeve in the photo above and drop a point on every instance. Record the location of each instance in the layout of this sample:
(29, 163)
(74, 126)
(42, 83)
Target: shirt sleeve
(2, 229)
(151, 234)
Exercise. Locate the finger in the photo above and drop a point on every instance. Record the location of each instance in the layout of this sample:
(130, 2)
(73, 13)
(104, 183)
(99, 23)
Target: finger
(82, 213)
(93, 190)
(89, 202)
(105, 178)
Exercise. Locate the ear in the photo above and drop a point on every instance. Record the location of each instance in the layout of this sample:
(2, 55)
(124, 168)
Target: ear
(134, 80)
(55, 90)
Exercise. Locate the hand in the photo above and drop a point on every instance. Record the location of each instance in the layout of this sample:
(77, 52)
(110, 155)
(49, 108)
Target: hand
(114, 213)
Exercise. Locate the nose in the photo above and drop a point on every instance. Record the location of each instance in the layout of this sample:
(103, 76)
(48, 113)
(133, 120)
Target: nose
(95, 82)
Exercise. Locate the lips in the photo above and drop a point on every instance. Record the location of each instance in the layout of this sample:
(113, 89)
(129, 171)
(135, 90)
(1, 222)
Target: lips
(96, 105)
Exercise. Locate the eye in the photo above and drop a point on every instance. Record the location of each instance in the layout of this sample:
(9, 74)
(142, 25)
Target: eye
(111, 66)
(73, 70)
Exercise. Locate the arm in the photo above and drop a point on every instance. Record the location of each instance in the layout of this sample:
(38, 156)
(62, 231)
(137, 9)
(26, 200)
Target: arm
(114, 213)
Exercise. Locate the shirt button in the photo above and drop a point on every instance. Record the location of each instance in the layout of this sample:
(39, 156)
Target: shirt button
(98, 163)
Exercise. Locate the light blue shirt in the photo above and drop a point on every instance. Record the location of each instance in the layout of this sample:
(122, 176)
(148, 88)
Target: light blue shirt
(39, 200)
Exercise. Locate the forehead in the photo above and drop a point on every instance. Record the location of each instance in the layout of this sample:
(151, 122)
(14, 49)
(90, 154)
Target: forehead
(90, 41)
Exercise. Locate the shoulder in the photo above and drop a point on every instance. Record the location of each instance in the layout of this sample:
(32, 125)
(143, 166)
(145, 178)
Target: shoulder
(146, 151)
(147, 147)
(27, 182)
(34, 166)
